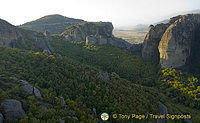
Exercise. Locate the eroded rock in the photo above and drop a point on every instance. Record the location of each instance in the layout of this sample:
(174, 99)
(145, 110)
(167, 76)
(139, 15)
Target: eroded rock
(13, 109)
(28, 88)
(94, 33)
(175, 44)
(151, 41)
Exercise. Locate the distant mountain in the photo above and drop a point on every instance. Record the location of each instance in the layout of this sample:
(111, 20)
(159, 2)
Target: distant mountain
(55, 24)
(144, 27)
(176, 14)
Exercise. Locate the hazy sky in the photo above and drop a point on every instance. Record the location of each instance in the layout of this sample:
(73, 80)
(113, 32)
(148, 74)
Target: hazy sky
(119, 12)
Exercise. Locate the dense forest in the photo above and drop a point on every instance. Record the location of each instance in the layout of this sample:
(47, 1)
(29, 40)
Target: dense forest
(74, 72)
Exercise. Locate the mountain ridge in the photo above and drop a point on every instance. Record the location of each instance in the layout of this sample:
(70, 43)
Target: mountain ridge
(55, 24)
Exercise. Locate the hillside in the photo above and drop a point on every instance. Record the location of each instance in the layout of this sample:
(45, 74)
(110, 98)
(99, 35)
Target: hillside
(108, 58)
(12, 36)
(55, 24)
(81, 87)
(82, 94)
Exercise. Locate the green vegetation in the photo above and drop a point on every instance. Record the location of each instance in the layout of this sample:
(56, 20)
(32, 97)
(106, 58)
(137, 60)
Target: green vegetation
(79, 84)
(111, 59)
(181, 87)
(136, 85)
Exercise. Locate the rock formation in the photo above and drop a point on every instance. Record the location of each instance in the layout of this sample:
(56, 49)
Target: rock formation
(28, 88)
(12, 108)
(152, 39)
(94, 33)
(12, 36)
(175, 43)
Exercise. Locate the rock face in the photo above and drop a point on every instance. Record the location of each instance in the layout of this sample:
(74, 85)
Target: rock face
(94, 33)
(152, 39)
(12, 36)
(12, 108)
(176, 43)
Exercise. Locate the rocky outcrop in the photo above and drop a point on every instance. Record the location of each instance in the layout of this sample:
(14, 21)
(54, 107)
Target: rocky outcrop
(152, 39)
(12, 36)
(12, 108)
(29, 89)
(104, 76)
(94, 33)
(175, 43)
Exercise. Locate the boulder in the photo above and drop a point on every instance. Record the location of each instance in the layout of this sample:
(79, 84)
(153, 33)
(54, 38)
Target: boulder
(115, 74)
(37, 93)
(13, 109)
(28, 88)
(105, 77)
(1, 118)
(75, 118)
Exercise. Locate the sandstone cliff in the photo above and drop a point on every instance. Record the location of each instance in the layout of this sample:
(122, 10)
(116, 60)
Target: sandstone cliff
(94, 33)
(176, 43)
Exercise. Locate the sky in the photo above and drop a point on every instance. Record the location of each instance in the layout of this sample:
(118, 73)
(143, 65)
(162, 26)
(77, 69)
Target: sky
(119, 12)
